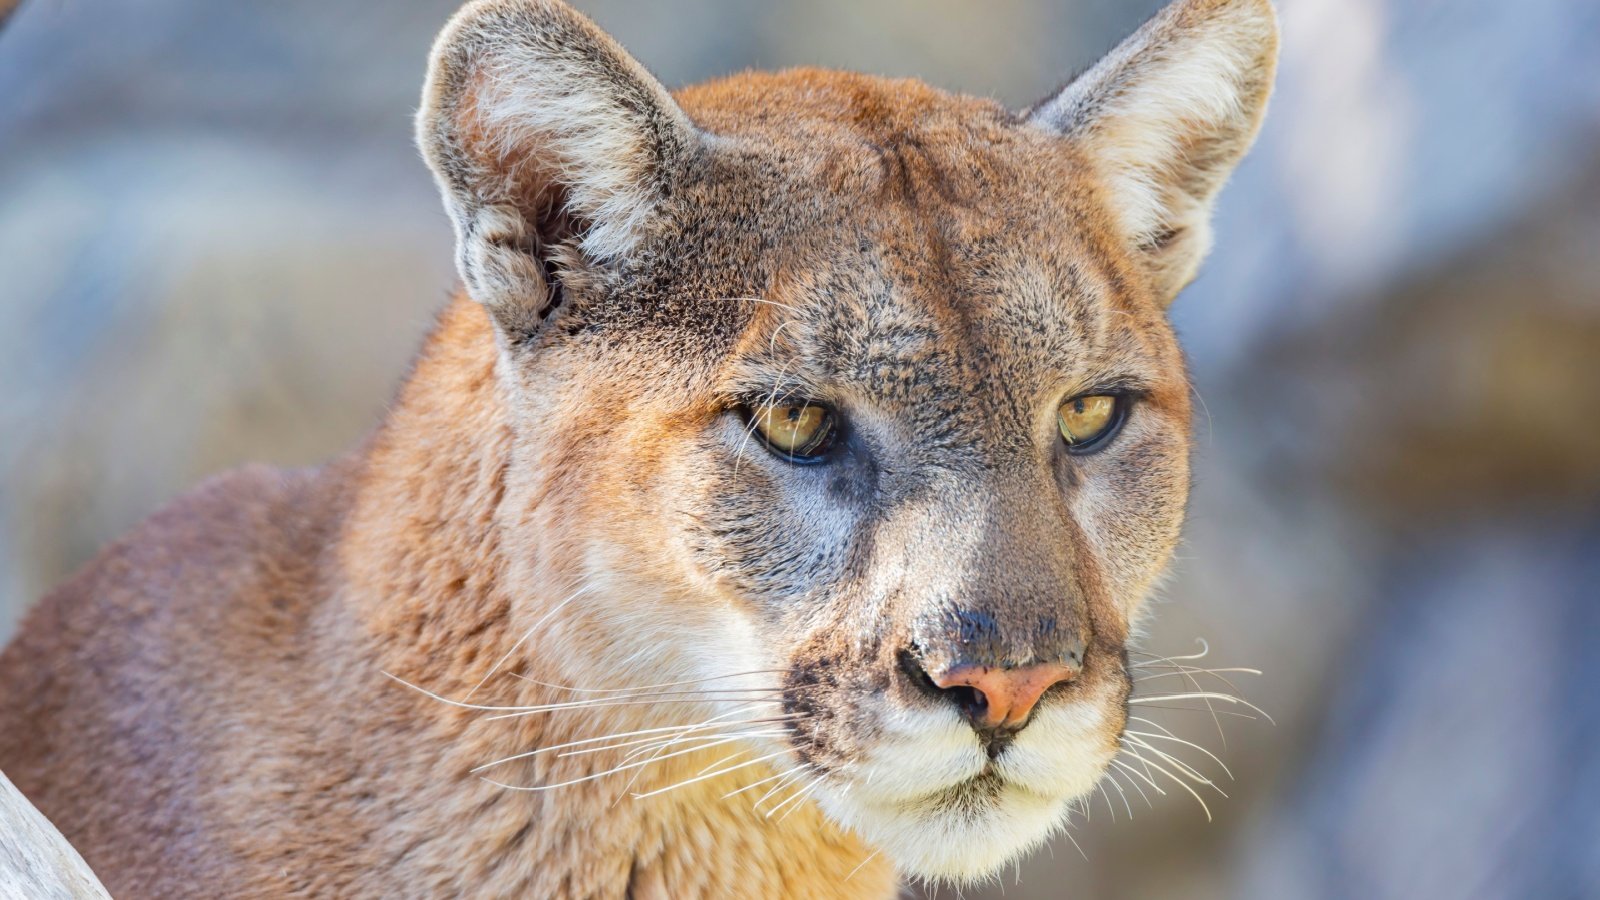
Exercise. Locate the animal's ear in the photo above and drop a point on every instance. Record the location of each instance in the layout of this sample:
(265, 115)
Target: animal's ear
(1165, 117)
(547, 140)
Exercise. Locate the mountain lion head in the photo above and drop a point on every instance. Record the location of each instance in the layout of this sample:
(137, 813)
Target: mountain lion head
(850, 389)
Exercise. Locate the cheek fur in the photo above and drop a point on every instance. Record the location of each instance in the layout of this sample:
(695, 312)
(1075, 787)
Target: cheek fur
(1129, 504)
(776, 534)
(831, 680)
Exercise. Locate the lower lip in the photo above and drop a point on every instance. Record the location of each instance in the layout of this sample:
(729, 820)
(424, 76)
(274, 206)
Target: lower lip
(987, 782)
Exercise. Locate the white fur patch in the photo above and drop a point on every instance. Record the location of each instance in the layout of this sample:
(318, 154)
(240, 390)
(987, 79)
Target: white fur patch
(555, 110)
(959, 846)
(1187, 75)
(901, 796)
(526, 97)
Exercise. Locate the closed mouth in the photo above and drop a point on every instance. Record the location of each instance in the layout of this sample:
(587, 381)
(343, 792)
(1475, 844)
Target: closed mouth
(980, 792)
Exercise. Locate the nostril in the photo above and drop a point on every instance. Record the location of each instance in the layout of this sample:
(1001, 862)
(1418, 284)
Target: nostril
(1001, 697)
(966, 697)
(995, 700)
(973, 703)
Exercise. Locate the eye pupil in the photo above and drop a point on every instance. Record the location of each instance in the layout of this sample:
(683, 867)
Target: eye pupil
(798, 432)
(1087, 421)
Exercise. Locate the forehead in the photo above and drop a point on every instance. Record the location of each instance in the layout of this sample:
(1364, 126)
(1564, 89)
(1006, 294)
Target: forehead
(850, 237)
(914, 237)
(960, 331)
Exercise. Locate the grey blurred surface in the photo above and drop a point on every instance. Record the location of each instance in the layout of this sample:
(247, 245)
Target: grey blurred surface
(217, 245)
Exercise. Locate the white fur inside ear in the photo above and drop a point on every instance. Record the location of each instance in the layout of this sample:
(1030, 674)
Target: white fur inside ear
(582, 135)
(541, 131)
(1141, 133)
(1167, 114)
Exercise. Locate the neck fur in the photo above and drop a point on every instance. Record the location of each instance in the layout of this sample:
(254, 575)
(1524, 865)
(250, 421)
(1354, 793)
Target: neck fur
(425, 583)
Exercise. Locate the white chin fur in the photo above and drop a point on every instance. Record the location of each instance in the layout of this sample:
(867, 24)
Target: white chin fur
(898, 798)
(954, 845)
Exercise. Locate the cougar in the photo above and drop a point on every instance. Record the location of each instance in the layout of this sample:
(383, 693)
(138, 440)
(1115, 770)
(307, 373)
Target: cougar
(767, 514)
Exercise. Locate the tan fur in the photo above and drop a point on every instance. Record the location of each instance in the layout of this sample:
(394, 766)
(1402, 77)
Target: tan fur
(284, 682)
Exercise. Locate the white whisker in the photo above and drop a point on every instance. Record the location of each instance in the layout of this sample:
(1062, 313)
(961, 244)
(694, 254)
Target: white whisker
(1169, 736)
(608, 702)
(795, 797)
(650, 743)
(705, 775)
(1205, 650)
(863, 864)
(1112, 778)
(1068, 832)
(1186, 671)
(1135, 785)
(631, 781)
(1106, 796)
(508, 711)
(526, 635)
(794, 774)
(611, 771)
(628, 734)
(1194, 774)
(1202, 695)
(648, 690)
(738, 456)
(1180, 783)
(763, 781)
(1186, 674)
(1143, 777)
(683, 730)
(706, 737)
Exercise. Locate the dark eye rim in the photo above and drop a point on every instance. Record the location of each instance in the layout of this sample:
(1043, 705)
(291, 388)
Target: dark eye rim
(818, 450)
(1121, 404)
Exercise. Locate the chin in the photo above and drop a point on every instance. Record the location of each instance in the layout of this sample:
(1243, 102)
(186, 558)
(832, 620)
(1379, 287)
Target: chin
(943, 811)
(961, 834)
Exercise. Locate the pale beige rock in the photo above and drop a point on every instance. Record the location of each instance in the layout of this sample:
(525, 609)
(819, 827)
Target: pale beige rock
(36, 862)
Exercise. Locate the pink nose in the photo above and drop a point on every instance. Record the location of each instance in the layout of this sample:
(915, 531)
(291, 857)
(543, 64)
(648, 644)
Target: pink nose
(1004, 697)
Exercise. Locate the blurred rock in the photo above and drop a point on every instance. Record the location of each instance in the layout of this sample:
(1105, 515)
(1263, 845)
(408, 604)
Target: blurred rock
(1458, 759)
(1476, 392)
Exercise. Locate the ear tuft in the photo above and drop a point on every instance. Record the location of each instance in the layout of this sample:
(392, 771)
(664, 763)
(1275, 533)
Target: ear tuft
(542, 133)
(1166, 116)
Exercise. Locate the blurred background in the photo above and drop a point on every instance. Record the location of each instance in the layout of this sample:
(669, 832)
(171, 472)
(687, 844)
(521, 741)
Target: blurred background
(217, 245)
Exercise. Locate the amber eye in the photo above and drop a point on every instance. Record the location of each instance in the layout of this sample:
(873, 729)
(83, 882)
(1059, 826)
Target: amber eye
(799, 432)
(1087, 421)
